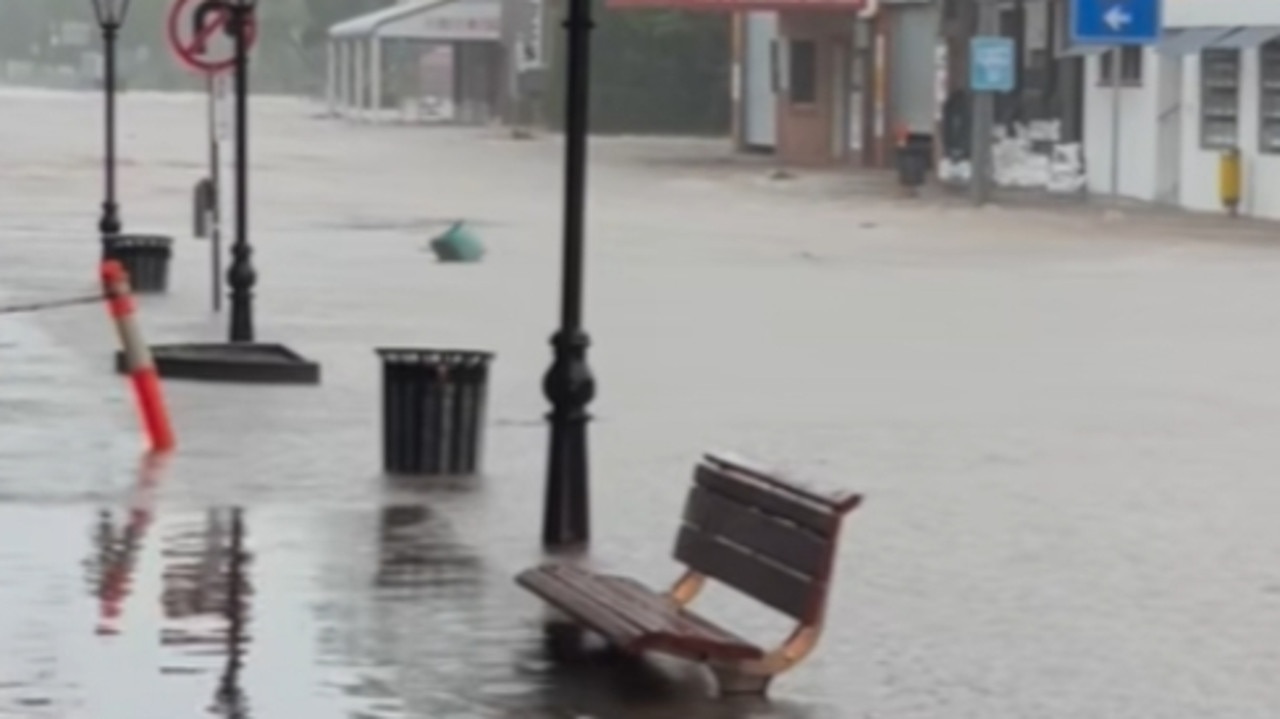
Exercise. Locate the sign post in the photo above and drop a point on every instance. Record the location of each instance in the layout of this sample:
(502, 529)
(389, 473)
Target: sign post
(218, 132)
(201, 39)
(992, 69)
(1117, 59)
(1116, 24)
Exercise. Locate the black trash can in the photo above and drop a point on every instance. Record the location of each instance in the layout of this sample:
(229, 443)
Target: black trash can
(433, 408)
(914, 159)
(145, 258)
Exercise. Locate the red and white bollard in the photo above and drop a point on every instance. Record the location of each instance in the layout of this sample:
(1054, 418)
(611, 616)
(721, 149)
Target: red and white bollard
(137, 355)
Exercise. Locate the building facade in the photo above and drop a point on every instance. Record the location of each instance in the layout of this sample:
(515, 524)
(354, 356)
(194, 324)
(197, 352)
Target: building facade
(1211, 84)
(830, 88)
(386, 64)
(792, 73)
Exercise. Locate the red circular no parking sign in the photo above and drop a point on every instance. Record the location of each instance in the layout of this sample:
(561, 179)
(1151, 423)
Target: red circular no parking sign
(198, 34)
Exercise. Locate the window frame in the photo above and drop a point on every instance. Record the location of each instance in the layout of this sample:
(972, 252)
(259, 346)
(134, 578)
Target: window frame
(1132, 67)
(802, 87)
(1212, 83)
(1269, 87)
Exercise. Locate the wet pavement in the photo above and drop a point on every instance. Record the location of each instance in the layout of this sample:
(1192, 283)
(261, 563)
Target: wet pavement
(1063, 422)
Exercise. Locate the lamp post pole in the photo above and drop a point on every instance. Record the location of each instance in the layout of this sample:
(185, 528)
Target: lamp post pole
(241, 276)
(569, 384)
(110, 16)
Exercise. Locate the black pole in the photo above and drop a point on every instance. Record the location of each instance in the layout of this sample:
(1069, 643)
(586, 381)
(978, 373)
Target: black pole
(568, 383)
(213, 208)
(241, 276)
(109, 224)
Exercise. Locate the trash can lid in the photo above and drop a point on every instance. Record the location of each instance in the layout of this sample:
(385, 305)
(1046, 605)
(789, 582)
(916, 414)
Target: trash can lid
(423, 356)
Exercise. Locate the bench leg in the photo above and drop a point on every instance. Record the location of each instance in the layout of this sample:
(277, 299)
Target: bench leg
(562, 639)
(564, 644)
(732, 680)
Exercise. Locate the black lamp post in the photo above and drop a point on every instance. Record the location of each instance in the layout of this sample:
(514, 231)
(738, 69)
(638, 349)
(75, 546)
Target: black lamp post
(241, 276)
(568, 384)
(110, 15)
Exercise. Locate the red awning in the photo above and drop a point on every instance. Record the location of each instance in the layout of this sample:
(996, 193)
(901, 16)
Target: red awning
(741, 5)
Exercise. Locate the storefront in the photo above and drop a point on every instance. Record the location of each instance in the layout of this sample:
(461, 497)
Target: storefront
(880, 73)
(1209, 86)
(792, 74)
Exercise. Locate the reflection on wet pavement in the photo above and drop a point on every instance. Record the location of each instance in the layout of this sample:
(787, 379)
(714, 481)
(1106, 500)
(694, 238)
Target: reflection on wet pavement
(416, 552)
(229, 612)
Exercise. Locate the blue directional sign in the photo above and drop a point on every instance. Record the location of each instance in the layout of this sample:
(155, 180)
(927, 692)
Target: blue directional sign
(1115, 22)
(991, 64)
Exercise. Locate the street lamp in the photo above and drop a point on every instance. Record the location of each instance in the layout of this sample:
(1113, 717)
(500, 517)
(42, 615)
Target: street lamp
(241, 276)
(569, 384)
(110, 15)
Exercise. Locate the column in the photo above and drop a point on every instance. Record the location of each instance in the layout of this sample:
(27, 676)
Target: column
(331, 77)
(344, 77)
(375, 74)
(357, 101)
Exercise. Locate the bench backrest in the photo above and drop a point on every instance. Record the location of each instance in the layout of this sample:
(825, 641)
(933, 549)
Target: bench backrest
(761, 535)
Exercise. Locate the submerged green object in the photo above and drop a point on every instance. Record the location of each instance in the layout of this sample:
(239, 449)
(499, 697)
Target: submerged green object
(458, 244)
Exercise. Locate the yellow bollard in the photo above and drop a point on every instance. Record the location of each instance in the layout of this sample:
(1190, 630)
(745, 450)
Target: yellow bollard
(1229, 180)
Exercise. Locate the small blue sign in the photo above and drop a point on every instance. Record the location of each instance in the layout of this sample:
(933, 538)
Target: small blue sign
(1115, 22)
(991, 64)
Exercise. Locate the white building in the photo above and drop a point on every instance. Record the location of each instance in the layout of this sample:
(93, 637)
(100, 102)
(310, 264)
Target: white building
(364, 50)
(1211, 83)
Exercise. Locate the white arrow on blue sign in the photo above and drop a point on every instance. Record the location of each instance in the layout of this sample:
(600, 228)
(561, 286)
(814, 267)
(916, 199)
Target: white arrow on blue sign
(1115, 22)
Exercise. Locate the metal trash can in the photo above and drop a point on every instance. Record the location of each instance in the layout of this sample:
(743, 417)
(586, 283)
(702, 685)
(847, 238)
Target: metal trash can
(433, 408)
(914, 158)
(145, 258)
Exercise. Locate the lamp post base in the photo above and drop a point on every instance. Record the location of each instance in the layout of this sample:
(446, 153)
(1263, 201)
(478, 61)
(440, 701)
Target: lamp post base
(570, 386)
(233, 362)
(566, 520)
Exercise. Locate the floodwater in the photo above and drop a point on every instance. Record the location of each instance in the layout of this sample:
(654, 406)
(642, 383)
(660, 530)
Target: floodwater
(1064, 424)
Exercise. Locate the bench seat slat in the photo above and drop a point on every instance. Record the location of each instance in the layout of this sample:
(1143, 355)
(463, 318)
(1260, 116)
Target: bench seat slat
(633, 616)
(582, 607)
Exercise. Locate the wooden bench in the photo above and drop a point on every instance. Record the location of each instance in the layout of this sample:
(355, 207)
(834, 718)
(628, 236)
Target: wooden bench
(744, 527)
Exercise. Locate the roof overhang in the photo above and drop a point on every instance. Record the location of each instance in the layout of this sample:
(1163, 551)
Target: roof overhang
(1246, 38)
(1177, 42)
(430, 20)
(1181, 41)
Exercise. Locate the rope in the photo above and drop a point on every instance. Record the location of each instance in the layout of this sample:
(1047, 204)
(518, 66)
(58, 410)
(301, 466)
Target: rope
(49, 305)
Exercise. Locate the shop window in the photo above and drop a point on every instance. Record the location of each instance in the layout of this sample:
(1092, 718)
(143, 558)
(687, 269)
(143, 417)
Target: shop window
(1269, 95)
(1219, 98)
(1130, 67)
(803, 72)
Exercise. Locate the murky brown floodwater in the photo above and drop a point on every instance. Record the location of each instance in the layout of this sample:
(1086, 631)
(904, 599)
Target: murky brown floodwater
(1064, 427)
